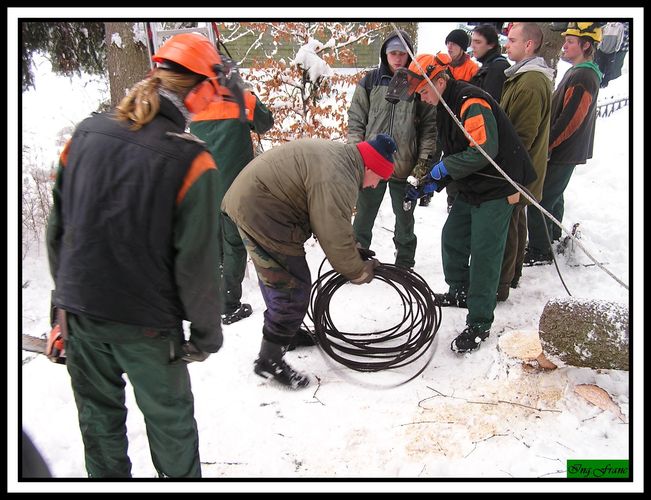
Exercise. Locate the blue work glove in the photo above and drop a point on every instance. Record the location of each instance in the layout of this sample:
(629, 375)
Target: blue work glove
(429, 187)
(438, 171)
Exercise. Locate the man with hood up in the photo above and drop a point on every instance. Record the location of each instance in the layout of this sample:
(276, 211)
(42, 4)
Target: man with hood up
(526, 100)
(413, 127)
(571, 134)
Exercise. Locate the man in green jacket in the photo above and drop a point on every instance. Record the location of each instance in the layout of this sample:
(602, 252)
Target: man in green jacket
(526, 100)
(229, 140)
(281, 198)
(571, 135)
(413, 127)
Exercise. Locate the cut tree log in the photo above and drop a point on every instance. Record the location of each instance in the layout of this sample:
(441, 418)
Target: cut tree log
(586, 333)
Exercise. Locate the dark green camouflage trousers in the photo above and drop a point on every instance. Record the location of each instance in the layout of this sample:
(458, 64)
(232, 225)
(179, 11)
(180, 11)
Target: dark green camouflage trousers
(285, 283)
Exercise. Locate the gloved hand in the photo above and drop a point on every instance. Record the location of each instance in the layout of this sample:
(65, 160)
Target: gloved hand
(422, 167)
(364, 253)
(191, 353)
(438, 172)
(412, 193)
(368, 274)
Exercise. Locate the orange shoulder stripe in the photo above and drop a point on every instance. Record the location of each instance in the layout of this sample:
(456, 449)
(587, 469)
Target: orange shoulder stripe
(475, 125)
(201, 164)
(63, 157)
(222, 109)
(471, 101)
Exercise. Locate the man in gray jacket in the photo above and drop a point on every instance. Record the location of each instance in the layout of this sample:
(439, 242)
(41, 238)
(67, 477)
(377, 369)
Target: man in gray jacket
(413, 127)
(282, 197)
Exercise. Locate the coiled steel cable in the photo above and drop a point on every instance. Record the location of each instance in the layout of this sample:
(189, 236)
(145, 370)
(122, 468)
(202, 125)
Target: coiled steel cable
(409, 339)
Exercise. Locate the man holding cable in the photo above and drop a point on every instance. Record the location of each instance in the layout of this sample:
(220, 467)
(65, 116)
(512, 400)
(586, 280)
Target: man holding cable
(474, 234)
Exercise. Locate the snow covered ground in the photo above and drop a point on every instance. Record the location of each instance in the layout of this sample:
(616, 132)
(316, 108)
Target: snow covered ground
(480, 415)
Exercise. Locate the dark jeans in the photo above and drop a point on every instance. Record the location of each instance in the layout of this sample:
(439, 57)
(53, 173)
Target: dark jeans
(285, 283)
(368, 205)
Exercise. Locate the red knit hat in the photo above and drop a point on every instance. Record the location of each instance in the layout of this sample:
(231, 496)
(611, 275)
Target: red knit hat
(378, 154)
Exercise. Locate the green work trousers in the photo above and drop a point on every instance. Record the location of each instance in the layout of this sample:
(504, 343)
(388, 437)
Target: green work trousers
(233, 265)
(161, 388)
(472, 247)
(368, 205)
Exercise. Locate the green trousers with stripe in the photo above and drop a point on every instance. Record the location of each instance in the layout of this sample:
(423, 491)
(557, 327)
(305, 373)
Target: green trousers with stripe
(162, 391)
(472, 247)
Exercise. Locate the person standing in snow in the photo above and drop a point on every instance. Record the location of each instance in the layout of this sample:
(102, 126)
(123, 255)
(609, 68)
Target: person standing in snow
(413, 127)
(463, 68)
(474, 234)
(526, 100)
(277, 202)
(229, 140)
(133, 247)
(486, 49)
(571, 136)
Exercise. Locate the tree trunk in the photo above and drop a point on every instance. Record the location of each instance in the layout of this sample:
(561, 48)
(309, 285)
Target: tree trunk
(552, 44)
(127, 60)
(585, 332)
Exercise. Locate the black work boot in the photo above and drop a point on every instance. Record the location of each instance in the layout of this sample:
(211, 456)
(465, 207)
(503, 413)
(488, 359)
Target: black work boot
(470, 339)
(302, 338)
(270, 364)
(243, 311)
(537, 258)
(503, 291)
(452, 299)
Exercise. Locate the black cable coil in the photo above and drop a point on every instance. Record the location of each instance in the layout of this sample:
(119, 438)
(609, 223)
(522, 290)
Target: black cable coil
(394, 347)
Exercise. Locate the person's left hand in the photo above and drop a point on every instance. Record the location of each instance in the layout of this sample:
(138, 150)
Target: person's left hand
(438, 171)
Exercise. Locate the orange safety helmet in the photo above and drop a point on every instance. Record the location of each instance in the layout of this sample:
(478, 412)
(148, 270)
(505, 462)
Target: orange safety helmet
(195, 53)
(431, 64)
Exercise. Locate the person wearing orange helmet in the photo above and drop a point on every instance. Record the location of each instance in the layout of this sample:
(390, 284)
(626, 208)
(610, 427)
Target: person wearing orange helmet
(474, 234)
(229, 141)
(571, 135)
(133, 249)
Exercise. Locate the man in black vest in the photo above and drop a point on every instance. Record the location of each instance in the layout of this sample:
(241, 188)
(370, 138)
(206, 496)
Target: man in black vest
(475, 231)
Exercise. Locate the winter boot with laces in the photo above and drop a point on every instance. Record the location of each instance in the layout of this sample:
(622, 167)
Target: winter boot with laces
(270, 364)
(303, 338)
(243, 311)
(452, 299)
(470, 339)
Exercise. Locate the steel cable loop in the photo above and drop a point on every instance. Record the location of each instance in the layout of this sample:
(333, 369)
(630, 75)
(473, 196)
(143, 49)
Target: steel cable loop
(394, 347)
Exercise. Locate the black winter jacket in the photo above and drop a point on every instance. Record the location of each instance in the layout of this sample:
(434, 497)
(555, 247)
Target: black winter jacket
(512, 157)
(490, 76)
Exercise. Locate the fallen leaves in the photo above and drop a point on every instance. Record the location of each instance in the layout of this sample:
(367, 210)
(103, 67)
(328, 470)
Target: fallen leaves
(600, 398)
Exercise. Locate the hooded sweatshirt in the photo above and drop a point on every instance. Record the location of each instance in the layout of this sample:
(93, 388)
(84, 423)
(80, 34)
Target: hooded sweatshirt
(526, 100)
(412, 124)
(574, 114)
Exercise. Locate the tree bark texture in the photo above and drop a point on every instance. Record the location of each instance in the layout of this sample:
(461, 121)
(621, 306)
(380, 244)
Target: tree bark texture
(586, 333)
(127, 59)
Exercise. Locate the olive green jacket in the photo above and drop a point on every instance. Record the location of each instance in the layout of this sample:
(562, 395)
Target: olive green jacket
(304, 187)
(526, 100)
(413, 126)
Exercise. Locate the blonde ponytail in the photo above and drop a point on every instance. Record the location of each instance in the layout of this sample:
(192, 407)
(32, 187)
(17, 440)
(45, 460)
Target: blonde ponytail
(142, 103)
